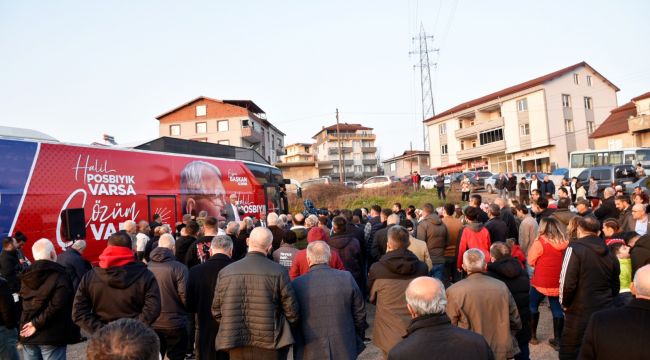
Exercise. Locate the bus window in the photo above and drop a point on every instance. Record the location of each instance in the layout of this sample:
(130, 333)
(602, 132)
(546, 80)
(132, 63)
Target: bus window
(583, 176)
(629, 159)
(277, 176)
(643, 156)
(577, 160)
(590, 160)
(262, 173)
(615, 158)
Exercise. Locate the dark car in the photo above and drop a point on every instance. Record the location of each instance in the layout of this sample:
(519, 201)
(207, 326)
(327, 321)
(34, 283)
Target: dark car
(613, 175)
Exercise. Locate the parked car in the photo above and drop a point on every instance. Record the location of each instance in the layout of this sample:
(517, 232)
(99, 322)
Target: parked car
(318, 181)
(378, 182)
(428, 182)
(623, 175)
(351, 184)
(564, 172)
(476, 178)
(490, 183)
(642, 182)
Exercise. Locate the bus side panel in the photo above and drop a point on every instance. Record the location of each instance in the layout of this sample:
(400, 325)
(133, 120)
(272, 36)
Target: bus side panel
(113, 186)
(16, 159)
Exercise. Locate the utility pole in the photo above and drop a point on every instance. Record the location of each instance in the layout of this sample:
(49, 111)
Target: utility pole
(425, 79)
(338, 138)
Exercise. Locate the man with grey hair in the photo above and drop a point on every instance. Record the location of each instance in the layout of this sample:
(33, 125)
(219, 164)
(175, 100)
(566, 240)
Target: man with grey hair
(201, 189)
(172, 276)
(131, 230)
(272, 222)
(259, 329)
(621, 333)
(332, 309)
(75, 265)
(607, 208)
(485, 306)
(200, 295)
(46, 325)
(142, 238)
(431, 331)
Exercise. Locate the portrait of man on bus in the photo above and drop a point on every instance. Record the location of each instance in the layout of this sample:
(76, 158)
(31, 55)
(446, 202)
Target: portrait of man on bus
(202, 189)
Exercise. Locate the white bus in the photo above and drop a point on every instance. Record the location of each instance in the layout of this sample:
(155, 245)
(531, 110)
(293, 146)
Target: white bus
(583, 159)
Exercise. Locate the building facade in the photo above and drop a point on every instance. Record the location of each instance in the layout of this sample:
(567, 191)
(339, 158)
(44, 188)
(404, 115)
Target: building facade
(299, 162)
(626, 126)
(407, 163)
(357, 144)
(228, 122)
(532, 126)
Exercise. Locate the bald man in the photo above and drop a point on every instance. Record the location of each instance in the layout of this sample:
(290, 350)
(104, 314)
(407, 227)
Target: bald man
(253, 302)
(621, 333)
(431, 331)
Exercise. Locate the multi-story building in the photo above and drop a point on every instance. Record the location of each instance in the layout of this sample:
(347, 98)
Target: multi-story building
(357, 146)
(532, 126)
(626, 126)
(227, 122)
(299, 162)
(408, 162)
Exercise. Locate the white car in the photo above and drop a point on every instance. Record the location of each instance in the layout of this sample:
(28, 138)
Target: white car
(428, 182)
(376, 182)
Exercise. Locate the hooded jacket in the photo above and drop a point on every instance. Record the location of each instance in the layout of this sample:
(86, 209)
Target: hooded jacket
(434, 232)
(75, 265)
(388, 280)
(509, 270)
(119, 288)
(172, 277)
(10, 268)
(350, 252)
(589, 280)
(473, 235)
(640, 253)
(47, 295)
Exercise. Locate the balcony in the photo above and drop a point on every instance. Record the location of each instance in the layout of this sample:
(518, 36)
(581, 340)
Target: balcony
(252, 136)
(335, 150)
(280, 152)
(324, 164)
(495, 147)
(639, 124)
(473, 131)
(348, 136)
(369, 161)
(369, 149)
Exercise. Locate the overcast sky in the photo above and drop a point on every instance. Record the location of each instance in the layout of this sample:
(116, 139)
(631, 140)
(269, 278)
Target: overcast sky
(79, 69)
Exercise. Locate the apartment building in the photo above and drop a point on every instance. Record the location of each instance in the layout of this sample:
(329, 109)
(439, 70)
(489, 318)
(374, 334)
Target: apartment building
(228, 122)
(299, 163)
(408, 162)
(532, 126)
(626, 126)
(357, 146)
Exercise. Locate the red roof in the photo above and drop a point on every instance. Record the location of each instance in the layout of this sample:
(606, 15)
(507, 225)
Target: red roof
(616, 122)
(517, 88)
(343, 127)
(247, 104)
(641, 97)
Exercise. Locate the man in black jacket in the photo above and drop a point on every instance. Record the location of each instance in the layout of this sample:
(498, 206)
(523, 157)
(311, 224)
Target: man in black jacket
(47, 294)
(496, 227)
(10, 265)
(200, 294)
(8, 323)
(120, 287)
(508, 217)
(199, 251)
(475, 201)
(431, 331)
(621, 333)
(373, 225)
(589, 282)
(171, 276)
(508, 269)
(186, 240)
(75, 265)
(607, 208)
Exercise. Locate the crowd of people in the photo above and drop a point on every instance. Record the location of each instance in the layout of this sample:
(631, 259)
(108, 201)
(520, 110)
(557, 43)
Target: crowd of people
(460, 281)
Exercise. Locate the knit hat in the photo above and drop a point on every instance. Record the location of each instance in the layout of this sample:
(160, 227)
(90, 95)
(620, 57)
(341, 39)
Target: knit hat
(316, 233)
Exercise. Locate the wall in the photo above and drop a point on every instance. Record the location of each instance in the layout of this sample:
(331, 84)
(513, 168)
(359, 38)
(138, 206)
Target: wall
(626, 139)
(300, 173)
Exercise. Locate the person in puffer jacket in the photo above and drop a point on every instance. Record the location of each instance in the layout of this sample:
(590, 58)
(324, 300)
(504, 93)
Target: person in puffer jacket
(433, 231)
(348, 249)
(255, 304)
(120, 287)
(589, 282)
(473, 235)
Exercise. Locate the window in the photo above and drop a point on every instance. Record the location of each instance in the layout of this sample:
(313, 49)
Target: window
(576, 79)
(522, 105)
(392, 166)
(588, 104)
(584, 176)
(490, 136)
(442, 129)
(604, 174)
(175, 130)
(443, 149)
(590, 127)
(224, 142)
(577, 160)
(200, 139)
(222, 125)
(566, 100)
(245, 123)
(201, 128)
(588, 80)
(201, 110)
(568, 125)
(524, 129)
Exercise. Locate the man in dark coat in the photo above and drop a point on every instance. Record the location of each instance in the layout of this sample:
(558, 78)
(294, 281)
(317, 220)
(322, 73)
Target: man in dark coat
(475, 201)
(277, 231)
(200, 295)
(508, 218)
(373, 225)
(348, 249)
(621, 333)
(431, 332)
(184, 242)
(332, 309)
(75, 265)
(120, 287)
(433, 231)
(171, 276)
(511, 186)
(261, 329)
(589, 282)
(640, 253)
(548, 187)
(47, 293)
(607, 208)
(378, 247)
(8, 323)
(496, 227)
(10, 265)
(508, 269)
(198, 252)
